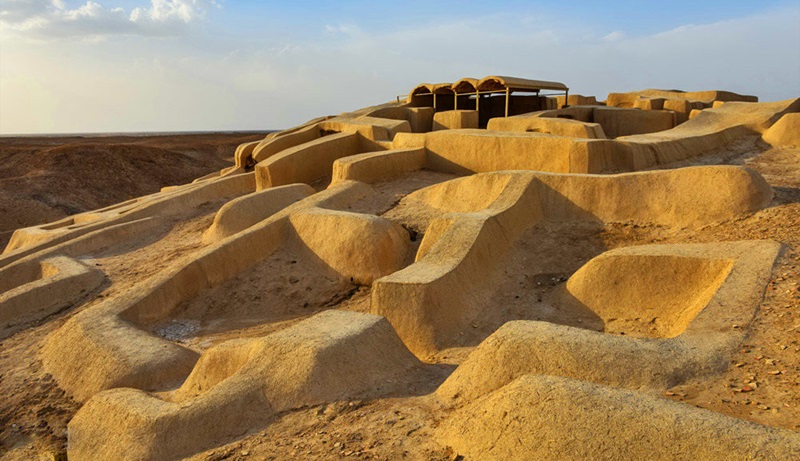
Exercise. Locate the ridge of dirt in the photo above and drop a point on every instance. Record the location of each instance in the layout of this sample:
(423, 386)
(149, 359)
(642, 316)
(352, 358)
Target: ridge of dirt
(46, 179)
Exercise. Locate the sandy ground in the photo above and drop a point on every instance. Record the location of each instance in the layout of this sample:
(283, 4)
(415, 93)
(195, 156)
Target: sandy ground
(43, 179)
(761, 384)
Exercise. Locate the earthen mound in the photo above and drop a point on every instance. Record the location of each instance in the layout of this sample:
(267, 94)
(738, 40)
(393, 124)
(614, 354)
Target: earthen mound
(785, 132)
(46, 180)
(546, 417)
(243, 384)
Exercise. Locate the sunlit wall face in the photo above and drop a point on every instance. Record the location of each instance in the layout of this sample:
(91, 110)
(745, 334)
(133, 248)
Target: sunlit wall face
(180, 65)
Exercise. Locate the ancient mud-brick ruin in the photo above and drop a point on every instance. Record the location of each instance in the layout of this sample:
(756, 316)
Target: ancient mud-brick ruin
(444, 248)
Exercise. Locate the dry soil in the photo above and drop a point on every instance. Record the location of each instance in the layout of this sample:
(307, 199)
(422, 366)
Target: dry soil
(762, 383)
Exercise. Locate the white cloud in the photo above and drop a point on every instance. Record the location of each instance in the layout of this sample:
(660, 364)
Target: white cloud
(19, 10)
(43, 19)
(267, 80)
(163, 11)
(614, 36)
(343, 30)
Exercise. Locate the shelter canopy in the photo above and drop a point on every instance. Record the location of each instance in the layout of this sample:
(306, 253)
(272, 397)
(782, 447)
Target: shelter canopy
(471, 91)
(491, 84)
(503, 83)
(432, 88)
(466, 85)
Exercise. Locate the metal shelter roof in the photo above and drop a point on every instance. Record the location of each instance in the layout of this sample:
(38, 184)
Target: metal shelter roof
(502, 83)
(490, 84)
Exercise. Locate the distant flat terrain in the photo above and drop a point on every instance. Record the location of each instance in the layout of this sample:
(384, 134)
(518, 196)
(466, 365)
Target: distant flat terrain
(45, 178)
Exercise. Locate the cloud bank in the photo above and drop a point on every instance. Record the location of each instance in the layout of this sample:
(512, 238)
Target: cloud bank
(52, 19)
(248, 76)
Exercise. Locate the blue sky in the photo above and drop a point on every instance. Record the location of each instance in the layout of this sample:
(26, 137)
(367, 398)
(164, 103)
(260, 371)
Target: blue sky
(166, 65)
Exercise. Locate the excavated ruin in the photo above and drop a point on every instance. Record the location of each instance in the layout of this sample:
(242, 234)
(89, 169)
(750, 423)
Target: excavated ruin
(452, 237)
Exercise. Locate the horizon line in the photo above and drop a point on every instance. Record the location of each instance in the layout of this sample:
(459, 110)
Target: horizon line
(132, 133)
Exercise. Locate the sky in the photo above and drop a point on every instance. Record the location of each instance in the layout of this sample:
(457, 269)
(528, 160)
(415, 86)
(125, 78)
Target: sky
(208, 65)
